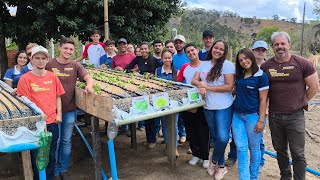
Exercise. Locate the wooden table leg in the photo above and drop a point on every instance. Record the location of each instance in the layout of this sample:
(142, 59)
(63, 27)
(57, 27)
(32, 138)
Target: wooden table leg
(171, 146)
(26, 163)
(96, 146)
(133, 136)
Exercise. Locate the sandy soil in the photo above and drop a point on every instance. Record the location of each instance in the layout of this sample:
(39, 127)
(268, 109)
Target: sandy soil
(152, 164)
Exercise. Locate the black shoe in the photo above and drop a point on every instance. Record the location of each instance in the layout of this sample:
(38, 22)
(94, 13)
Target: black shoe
(65, 176)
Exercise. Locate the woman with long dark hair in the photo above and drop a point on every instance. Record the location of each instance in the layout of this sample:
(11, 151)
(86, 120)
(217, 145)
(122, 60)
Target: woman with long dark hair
(251, 88)
(12, 75)
(215, 80)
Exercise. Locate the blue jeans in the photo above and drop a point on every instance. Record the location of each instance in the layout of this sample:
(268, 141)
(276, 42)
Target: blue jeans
(181, 128)
(164, 124)
(141, 124)
(245, 137)
(219, 122)
(151, 129)
(233, 150)
(53, 128)
(64, 142)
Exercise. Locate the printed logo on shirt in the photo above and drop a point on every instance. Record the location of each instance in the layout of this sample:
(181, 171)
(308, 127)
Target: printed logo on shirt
(57, 72)
(68, 69)
(250, 87)
(204, 74)
(35, 87)
(274, 73)
(47, 82)
(288, 67)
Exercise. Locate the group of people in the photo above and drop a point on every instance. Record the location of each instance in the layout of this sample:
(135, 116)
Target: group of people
(238, 98)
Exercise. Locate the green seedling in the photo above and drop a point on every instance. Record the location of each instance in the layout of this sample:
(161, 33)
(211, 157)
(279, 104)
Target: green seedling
(81, 85)
(97, 89)
(142, 86)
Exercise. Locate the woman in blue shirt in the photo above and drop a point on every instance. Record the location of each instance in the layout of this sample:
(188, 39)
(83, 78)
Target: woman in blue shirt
(166, 71)
(251, 89)
(12, 75)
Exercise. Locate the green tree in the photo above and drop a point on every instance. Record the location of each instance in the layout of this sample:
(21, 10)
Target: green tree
(40, 20)
(317, 11)
(248, 21)
(265, 33)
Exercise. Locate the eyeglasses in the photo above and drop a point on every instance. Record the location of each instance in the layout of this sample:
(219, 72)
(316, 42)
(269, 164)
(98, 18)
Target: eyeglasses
(28, 54)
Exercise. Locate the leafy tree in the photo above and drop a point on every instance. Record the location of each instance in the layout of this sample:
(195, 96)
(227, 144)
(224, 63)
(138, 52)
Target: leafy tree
(293, 20)
(265, 33)
(40, 20)
(248, 21)
(317, 11)
(275, 17)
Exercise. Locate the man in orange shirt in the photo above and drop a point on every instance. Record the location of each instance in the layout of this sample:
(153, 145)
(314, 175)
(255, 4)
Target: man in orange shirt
(44, 89)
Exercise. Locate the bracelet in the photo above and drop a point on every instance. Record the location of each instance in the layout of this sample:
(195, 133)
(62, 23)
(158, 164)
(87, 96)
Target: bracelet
(261, 122)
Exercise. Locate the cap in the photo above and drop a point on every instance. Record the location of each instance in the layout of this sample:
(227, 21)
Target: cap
(258, 44)
(122, 40)
(207, 33)
(108, 42)
(39, 49)
(179, 37)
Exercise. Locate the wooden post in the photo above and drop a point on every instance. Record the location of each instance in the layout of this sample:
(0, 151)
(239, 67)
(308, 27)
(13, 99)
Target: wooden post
(106, 25)
(133, 136)
(26, 163)
(96, 145)
(171, 146)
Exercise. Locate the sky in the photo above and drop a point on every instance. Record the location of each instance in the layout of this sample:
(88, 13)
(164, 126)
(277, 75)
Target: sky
(264, 9)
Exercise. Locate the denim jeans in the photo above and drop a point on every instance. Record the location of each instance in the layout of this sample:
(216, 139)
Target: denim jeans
(233, 149)
(289, 129)
(181, 128)
(164, 124)
(151, 129)
(219, 122)
(64, 142)
(141, 124)
(53, 128)
(246, 138)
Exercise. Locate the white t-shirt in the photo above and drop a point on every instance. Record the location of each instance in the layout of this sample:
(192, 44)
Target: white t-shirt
(187, 72)
(94, 52)
(217, 100)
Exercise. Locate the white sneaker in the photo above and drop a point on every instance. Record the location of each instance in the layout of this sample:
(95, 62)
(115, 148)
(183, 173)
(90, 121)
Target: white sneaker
(194, 160)
(205, 164)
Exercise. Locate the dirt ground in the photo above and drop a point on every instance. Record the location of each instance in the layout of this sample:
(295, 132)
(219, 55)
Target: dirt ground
(153, 165)
(146, 164)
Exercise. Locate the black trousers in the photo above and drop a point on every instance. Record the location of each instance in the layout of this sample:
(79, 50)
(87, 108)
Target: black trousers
(198, 130)
(289, 129)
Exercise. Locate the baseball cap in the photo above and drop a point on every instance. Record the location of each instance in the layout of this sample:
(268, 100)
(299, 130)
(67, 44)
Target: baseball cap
(258, 44)
(122, 40)
(39, 49)
(207, 33)
(179, 37)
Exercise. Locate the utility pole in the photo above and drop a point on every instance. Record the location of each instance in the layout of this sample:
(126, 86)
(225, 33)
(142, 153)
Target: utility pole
(302, 33)
(106, 24)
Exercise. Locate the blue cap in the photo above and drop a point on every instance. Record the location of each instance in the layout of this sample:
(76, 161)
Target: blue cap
(258, 44)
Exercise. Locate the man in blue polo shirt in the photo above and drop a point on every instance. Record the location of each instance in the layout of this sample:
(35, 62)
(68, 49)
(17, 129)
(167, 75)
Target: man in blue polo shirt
(207, 38)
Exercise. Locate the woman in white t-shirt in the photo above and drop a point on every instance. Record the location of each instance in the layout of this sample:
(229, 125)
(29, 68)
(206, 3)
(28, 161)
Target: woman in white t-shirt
(215, 80)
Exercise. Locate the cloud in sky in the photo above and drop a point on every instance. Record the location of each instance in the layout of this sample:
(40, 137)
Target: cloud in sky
(259, 8)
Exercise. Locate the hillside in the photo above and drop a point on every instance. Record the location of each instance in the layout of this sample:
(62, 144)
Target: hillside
(236, 24)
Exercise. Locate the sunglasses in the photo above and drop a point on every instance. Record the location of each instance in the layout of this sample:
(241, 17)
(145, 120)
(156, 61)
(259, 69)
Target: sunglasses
(28, 54)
